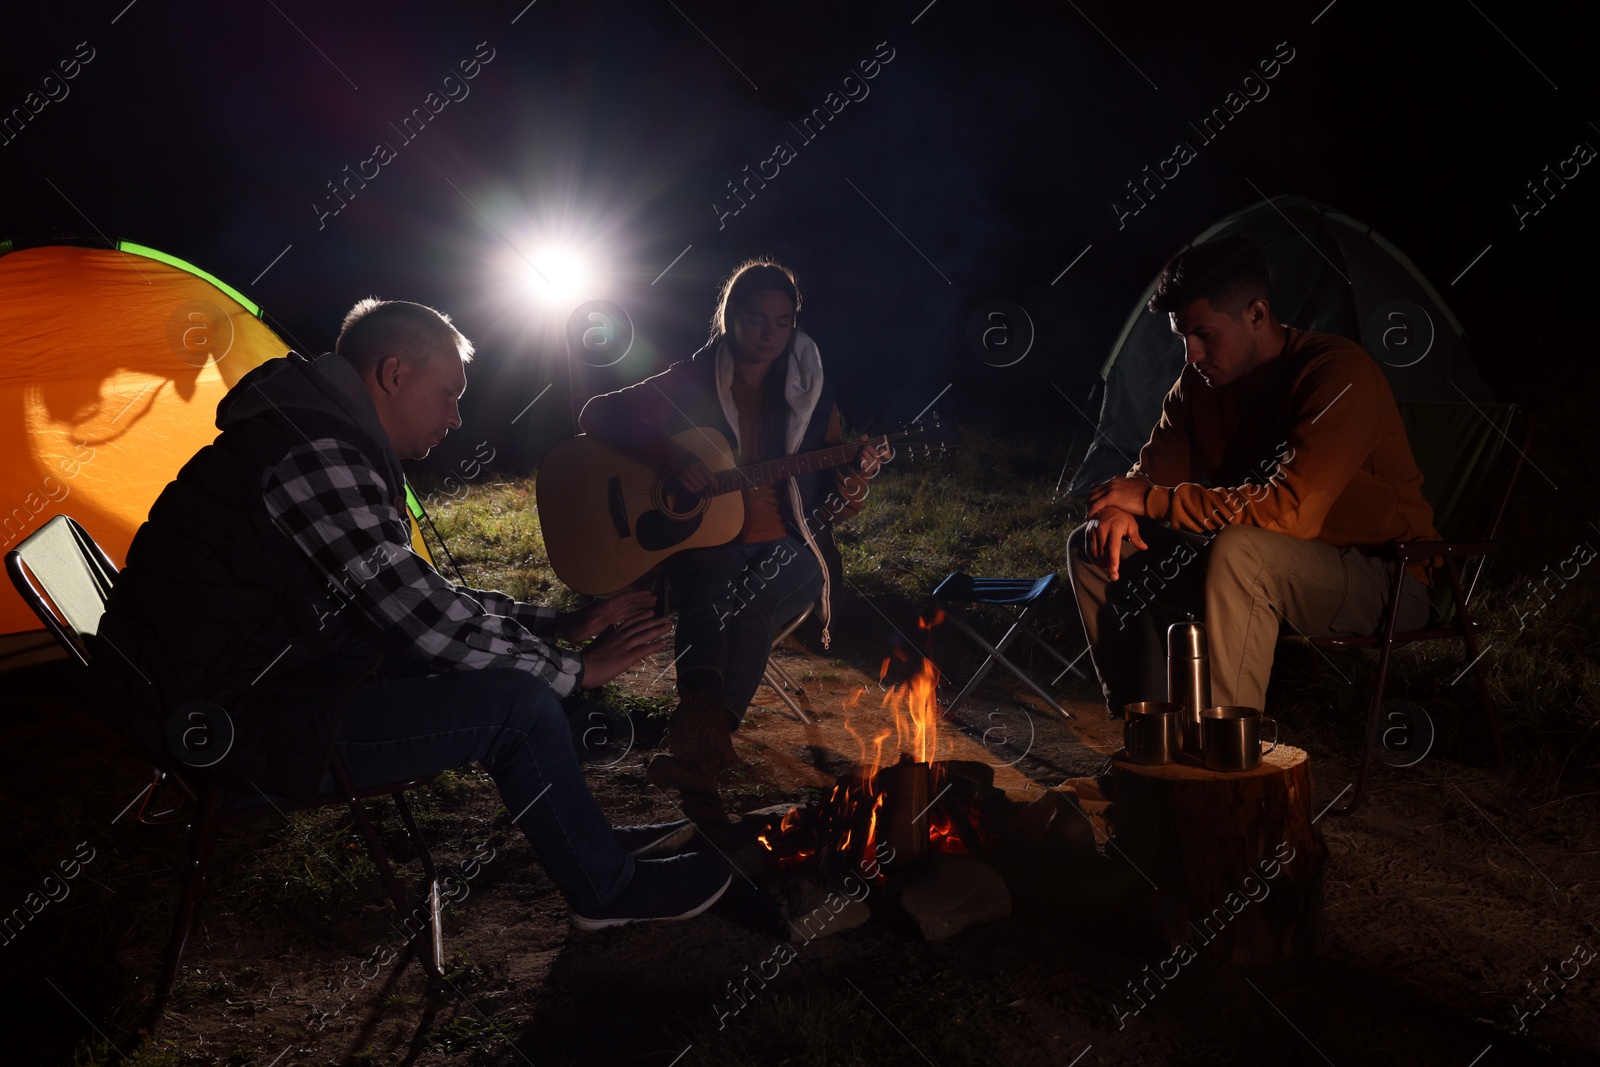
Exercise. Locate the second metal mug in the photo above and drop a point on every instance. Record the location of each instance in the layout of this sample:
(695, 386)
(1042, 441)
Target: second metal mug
(1233, 738)
(1152, 732)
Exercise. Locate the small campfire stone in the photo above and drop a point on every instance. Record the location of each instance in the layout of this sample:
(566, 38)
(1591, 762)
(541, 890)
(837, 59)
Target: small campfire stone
(1055, 820)
(945, 894)
(1094, 800)
(812, 909)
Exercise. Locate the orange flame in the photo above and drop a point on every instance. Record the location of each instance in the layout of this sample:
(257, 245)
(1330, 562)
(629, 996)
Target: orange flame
(942, 836)
(913, 718)
(915, 707)
(870, 848)
(847, 824)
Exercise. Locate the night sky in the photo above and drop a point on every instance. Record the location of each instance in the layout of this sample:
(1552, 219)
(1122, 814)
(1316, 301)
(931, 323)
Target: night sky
(978, 151)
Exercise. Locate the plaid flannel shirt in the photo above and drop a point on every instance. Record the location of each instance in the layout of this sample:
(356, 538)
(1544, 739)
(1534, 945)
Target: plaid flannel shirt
(332, 504)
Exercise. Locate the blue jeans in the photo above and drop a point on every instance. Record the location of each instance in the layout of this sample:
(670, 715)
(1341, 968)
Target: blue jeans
(732, 600)
(511, 723)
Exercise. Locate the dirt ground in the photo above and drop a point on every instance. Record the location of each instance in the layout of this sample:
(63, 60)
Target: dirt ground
(1447, 895)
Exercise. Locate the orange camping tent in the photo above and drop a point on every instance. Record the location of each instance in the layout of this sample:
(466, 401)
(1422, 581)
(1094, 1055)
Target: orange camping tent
(115, 361)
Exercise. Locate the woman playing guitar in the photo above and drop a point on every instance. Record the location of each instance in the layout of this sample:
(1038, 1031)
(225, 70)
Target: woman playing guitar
(759, 382)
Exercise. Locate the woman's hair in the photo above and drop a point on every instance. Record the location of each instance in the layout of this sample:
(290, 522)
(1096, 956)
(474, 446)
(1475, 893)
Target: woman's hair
(751, 277)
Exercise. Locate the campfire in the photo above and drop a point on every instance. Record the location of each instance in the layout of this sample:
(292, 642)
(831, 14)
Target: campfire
(908, 799)
(925, 831)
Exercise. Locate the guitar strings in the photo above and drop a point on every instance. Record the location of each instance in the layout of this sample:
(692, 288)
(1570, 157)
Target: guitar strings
(754, 473)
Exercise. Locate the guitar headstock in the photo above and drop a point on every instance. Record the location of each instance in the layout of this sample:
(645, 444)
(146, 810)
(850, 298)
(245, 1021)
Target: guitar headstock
(930, 437)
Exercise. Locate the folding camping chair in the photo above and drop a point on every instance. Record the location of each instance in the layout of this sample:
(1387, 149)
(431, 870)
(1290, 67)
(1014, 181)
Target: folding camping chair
(1460, 449)
(66, 580)
(1014, 598)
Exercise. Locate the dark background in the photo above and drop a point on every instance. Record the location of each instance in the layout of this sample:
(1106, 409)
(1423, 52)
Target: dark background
(994, 141)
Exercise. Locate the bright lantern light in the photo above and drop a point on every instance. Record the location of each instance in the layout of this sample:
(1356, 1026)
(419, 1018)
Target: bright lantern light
(558, 275)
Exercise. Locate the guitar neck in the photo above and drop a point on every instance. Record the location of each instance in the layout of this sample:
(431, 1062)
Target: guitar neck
(772, 471)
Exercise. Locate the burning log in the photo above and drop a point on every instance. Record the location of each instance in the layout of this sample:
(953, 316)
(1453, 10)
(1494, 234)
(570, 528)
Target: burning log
(906, 810)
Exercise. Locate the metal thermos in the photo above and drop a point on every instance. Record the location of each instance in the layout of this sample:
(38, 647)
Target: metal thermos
(1189, 678)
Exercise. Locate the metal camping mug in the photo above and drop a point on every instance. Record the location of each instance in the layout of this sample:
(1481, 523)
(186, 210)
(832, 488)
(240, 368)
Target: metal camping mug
(1151, 732)
(1233, 738)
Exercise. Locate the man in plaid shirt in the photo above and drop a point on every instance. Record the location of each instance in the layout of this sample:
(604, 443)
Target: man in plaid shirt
(275, 581)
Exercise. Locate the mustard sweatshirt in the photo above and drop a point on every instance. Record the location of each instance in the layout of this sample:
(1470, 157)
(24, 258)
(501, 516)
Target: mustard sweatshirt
(1309, 444)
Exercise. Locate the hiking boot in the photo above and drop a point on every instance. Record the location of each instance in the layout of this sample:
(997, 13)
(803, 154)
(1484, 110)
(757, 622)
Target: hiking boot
(656, 839)
(705, 810)
(671, 772)
(700, 733)
(697, 790)
(664, 890)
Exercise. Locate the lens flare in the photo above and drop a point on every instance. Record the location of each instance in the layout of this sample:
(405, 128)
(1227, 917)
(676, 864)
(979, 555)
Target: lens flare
(556, 274)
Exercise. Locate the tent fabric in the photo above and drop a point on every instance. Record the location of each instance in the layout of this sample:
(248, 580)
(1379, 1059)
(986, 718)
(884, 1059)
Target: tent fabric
(1330, 273)
(115, 359)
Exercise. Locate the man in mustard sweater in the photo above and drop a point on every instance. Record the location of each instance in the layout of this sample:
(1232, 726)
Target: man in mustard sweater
(1278, 459)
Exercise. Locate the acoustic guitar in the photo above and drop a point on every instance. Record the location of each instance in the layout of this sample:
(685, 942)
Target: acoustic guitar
(608, 520)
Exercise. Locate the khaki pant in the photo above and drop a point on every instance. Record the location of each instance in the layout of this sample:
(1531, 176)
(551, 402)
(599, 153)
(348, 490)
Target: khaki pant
(1246, 584)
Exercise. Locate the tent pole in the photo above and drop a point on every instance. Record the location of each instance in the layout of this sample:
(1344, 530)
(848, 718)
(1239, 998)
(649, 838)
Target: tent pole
(437, 536)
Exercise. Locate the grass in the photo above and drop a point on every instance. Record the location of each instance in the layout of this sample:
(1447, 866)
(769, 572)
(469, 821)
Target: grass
(992, 508)
(492, 534)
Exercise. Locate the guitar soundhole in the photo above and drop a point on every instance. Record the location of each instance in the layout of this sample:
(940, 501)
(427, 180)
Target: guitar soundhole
(678, 505)
(672, 520)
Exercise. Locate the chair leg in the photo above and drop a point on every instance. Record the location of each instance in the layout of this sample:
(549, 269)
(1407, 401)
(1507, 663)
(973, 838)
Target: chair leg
(996, 652)
(983, 668)
(777, 686)
(201, 849)
(1391, 616)
(375, 849)
(1070, 665)
(776, 678)
(433, 953)
(970, 687)
(1475, 661)
(777, 668)
(147, 815)
(1374, 723)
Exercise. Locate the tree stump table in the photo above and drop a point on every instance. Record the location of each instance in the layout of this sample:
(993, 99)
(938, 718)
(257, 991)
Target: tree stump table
(1235, 859)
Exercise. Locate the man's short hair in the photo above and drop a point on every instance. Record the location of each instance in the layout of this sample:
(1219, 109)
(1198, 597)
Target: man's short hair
(376, 329)
(1227, 273)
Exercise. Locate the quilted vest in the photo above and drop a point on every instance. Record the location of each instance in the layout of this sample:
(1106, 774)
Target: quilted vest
(218, 611)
